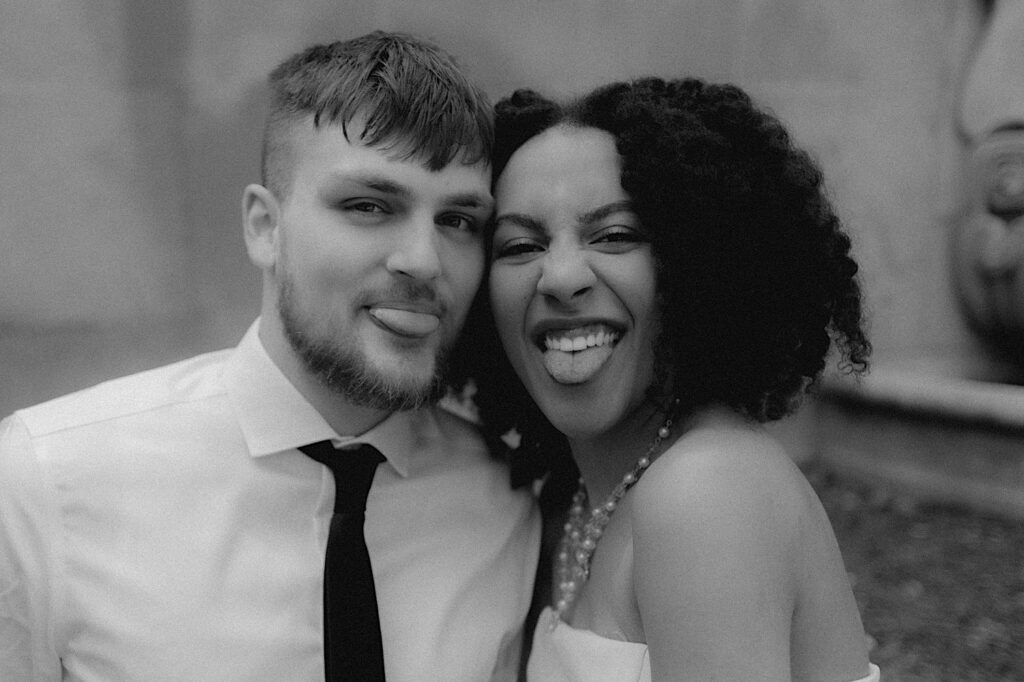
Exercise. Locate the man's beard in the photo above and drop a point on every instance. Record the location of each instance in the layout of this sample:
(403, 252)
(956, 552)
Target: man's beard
(347, 371)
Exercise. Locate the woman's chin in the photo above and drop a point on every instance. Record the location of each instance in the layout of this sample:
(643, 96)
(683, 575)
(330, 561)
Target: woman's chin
(578, 420)
(586, 407)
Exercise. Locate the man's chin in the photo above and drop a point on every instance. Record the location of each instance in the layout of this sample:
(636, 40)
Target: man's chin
(395, 396)
(387, 383)
(402, 391)
(375, 375)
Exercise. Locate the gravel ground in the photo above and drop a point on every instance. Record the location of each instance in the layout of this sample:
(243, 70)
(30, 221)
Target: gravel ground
(940, 588)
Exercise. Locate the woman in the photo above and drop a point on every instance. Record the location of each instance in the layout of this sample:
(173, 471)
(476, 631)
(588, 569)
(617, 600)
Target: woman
(667, 274)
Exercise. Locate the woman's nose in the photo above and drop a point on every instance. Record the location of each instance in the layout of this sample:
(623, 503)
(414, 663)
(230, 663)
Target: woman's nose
(565, 274)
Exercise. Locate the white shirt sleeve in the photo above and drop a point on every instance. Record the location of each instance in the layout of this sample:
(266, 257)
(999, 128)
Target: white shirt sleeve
(28, 533)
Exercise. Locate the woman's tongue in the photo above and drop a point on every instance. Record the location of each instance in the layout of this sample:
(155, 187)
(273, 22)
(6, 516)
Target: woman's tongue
(575, 367)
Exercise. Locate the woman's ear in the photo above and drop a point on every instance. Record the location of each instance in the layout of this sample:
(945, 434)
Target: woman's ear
(260, 215)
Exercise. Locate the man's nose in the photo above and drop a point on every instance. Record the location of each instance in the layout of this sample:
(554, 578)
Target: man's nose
(416, 253)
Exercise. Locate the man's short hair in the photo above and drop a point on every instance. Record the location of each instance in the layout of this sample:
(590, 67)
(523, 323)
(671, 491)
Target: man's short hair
(410, 95)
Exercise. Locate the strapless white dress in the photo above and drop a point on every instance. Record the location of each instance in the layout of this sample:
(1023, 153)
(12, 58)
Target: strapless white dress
(566, 654)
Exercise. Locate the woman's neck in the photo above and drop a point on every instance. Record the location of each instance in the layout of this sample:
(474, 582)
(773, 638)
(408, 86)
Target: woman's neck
(605, 458)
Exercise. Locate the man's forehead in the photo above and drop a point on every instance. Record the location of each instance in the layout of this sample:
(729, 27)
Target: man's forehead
(399, 144)
(329, 160)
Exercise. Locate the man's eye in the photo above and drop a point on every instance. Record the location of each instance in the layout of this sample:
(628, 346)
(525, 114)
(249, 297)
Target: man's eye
(460, 222)
(364, 206)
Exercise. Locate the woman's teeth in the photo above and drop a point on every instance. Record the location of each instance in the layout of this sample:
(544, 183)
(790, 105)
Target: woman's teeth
(574, 357)
(571, 343)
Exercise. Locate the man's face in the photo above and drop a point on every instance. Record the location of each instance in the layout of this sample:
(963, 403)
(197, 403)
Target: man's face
(377, 262)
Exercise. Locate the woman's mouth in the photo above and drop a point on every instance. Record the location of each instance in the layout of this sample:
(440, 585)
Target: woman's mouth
(575, 355)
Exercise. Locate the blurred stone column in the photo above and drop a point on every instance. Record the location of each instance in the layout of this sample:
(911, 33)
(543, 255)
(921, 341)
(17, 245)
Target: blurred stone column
(993, 94)
(988, 249)
(92, 194)
(95, 247)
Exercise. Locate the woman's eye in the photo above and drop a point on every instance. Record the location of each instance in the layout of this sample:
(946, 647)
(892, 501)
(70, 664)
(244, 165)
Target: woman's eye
(628, 235)
(619, 238)
(517, 247)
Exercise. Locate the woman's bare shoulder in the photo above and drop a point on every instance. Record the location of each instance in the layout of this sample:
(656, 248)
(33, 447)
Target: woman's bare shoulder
(714, 523)
(725, 466)
(730, 489)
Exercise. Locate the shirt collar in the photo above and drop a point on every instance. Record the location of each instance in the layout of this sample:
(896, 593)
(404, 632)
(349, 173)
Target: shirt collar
(274, 416)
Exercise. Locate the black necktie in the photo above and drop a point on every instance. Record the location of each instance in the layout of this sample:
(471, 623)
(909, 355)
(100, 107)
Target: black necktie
(352, 643)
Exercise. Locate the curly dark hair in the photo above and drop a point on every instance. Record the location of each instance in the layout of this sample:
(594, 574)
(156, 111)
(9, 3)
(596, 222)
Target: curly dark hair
(754, 272)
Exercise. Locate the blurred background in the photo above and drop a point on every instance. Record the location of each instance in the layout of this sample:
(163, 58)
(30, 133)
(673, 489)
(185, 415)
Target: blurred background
(128, 129)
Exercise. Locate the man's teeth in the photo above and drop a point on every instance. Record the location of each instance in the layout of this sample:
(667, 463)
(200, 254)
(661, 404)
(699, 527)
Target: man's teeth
(569, 344)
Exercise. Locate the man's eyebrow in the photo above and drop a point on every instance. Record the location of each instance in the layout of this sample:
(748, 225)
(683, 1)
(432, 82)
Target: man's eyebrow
(604, 211)
(471, 200)
(378, 183)
(387, 185)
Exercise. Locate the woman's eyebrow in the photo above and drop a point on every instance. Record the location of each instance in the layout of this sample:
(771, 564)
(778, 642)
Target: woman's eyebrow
(603, 212)
(520, 219)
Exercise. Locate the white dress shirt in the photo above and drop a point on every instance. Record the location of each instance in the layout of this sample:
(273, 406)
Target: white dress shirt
(163, 526)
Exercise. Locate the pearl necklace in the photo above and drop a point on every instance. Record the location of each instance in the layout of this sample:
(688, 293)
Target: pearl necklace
(581, 536)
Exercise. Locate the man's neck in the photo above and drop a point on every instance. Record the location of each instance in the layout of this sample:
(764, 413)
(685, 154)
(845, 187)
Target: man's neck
(344, 416)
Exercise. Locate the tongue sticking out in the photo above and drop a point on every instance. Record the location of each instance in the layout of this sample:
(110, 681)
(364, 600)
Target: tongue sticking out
(406, 322)
(576, 367)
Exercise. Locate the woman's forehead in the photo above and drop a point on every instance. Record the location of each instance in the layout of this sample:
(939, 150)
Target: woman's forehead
(570, 168)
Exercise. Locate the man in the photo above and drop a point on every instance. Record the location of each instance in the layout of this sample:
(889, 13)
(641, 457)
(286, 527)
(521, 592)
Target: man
(165, 526)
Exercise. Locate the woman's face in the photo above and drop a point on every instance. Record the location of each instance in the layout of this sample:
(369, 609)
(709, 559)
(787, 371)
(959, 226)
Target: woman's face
(572, 281)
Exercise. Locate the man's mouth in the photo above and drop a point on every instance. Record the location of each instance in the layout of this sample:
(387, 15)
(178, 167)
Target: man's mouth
(404, 321)
(573, 356)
